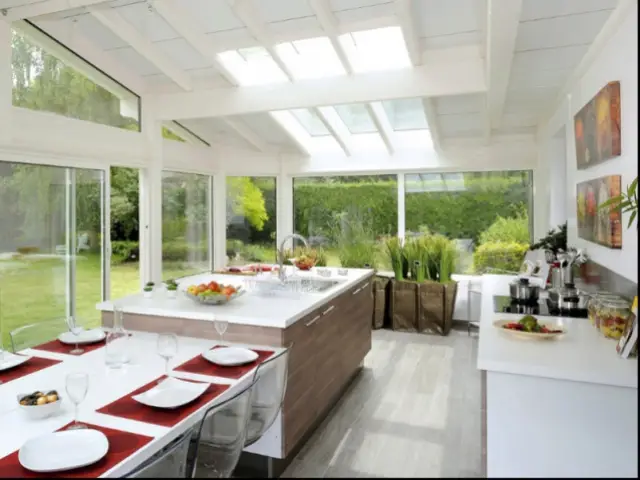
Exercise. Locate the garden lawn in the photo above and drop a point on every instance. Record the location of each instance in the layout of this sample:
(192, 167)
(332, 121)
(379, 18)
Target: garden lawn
(32, 289)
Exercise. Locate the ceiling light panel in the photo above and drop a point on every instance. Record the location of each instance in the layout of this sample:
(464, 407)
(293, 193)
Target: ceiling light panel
(311, 58)
(252, 66)
(405, 114)
(356, 118)
(379, 49)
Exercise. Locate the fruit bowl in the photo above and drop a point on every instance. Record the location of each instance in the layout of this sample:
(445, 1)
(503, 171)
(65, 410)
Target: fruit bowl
(304, 264)
(213, 293)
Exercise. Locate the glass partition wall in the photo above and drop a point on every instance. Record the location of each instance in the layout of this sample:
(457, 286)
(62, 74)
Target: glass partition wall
(347, 217)
(487, 214)
(251, 220)
(186, 235)
(51, 251)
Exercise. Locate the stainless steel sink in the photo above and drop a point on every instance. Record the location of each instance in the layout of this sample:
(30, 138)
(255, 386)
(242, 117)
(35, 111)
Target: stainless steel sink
(292, 285)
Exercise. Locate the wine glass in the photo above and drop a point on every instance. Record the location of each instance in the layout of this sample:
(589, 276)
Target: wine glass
(76, 330)
(221, 328)
(77, 385)
(167, 348)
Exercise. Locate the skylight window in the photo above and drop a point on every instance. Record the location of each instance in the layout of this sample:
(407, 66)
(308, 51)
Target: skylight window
(379, 49)
(252, 66)
(356, 118)
(311, 122)
(311, 58)
(405, 114)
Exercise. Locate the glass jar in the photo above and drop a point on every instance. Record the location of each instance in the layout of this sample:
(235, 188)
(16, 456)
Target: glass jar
(592, 306)
(612, 315)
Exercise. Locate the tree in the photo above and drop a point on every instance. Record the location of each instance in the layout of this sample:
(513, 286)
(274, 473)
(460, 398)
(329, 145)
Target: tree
(245, 199)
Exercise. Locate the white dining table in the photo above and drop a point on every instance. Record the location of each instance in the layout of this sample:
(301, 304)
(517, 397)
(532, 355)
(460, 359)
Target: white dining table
(106, 385)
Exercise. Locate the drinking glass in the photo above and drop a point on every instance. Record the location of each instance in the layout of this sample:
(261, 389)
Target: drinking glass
(167, 348)
(76, 330)
(221, 328)
(77, 385)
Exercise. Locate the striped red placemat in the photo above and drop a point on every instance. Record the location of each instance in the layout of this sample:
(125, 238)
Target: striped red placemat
(121, 446)
(127, 407)
(202, 366)
(34, 364)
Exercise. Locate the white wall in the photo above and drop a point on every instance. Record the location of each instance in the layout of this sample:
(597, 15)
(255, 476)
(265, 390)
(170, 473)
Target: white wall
(617, 60)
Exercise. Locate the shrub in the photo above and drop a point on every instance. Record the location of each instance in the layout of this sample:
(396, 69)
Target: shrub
(514, 229)
(125, 251)
(179, 250)
(499, 255)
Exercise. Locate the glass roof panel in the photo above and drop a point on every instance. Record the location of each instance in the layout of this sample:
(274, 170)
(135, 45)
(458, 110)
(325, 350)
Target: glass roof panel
(378, 49)
(252, 66)
(356, 118)
(311, 58)
(311, 122)
(405, 114)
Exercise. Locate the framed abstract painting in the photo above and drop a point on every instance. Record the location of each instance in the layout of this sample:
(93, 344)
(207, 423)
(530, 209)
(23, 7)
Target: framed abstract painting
(597, 128)
(599, 226)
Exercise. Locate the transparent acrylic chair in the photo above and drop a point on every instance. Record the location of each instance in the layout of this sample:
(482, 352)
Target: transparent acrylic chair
(37, 333)
(221, 436)
(268, 395)
(170, 462)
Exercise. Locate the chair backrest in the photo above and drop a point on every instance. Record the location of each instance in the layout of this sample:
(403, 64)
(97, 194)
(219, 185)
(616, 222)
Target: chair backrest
(34, 334)
(170, 462)
(221, 435)
(268, 395)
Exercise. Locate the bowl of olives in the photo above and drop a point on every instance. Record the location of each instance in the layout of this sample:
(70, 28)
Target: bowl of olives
(39, 405)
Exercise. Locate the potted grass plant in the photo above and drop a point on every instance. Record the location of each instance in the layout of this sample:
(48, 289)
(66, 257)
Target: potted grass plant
(422, 300)
(172, 288)
(147, 291)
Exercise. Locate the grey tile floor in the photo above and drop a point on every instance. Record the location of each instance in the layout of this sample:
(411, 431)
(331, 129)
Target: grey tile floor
(414, 411)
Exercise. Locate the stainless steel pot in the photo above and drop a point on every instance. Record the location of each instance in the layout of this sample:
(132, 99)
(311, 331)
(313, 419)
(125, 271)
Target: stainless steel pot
(522, 291)
(568, 298)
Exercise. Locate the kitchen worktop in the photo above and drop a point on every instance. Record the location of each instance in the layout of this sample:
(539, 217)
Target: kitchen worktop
(583, 354)
(279, 311)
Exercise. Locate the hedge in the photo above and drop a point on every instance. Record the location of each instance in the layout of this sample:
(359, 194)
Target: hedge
(506, 256)
(456, 214)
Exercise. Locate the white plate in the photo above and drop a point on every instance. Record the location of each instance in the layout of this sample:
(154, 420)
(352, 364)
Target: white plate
(94, 335)
(171, 393)
(230, 356)
(10, 360)
(499, 324)
(60, 451)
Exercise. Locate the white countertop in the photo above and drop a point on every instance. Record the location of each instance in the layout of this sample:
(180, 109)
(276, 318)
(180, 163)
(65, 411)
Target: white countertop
(583, 354)
(249, 309)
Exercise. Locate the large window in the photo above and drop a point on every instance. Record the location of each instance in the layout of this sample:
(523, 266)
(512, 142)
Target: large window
(486, 213)
(50, 244)
(251, 220)
(125, 232)
(46, 77)
(347, 216)
(185, 224)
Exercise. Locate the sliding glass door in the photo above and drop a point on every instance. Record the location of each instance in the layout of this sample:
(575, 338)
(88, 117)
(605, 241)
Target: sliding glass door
(51, 230)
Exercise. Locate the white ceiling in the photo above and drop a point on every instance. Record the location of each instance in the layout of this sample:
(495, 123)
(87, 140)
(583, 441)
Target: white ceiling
(552, 37)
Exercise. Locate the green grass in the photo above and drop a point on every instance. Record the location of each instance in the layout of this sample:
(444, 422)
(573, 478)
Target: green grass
(32, 289)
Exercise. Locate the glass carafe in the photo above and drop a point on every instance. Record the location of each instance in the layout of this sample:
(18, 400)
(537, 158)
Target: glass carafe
(117, 348)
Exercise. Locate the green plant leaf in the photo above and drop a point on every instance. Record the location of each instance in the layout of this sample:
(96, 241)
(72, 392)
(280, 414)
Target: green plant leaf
(632, 218)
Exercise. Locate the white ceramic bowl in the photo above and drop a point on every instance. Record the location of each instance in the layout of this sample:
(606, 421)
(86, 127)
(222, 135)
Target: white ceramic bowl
(38, 412)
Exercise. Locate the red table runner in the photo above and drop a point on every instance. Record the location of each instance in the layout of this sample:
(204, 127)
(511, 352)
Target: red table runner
(56, 346)
(202, 366)
(34, 364)
(121, 445)
(127, 407)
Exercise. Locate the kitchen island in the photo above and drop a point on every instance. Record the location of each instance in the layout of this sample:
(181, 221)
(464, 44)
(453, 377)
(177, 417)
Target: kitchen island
(555, 408)
(329, 333)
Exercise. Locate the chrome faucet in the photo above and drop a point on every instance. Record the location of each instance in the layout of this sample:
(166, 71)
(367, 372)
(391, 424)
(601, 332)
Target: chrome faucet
(281, 274)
